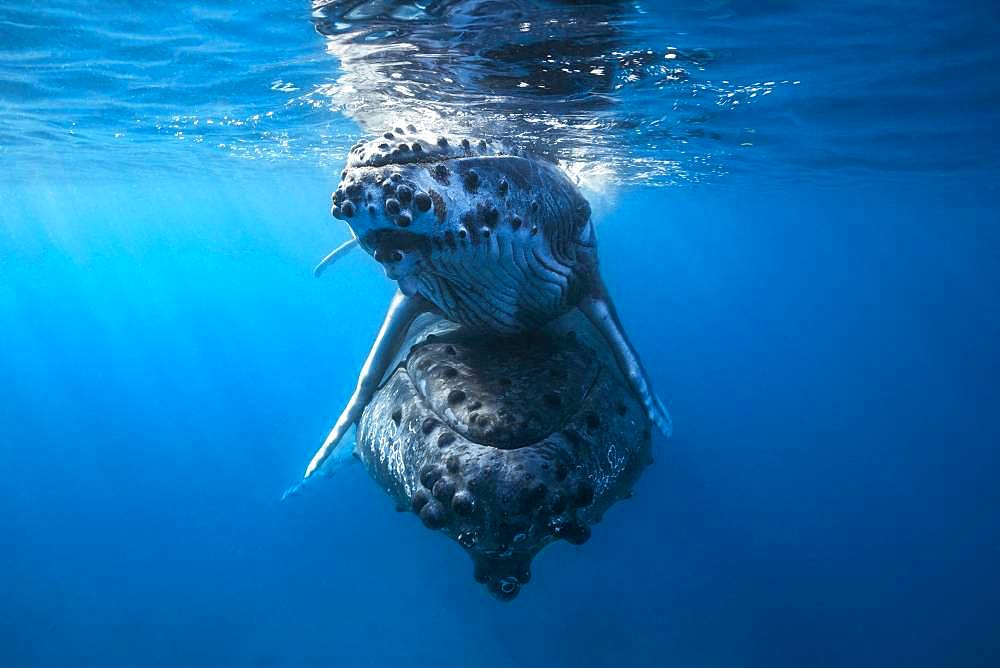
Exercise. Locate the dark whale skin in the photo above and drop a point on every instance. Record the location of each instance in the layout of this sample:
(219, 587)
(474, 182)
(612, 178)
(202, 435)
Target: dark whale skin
(505, 445)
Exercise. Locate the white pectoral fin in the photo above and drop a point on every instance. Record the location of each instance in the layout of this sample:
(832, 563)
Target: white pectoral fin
(338, 460)
(334, 255)
(601, 312)
(398, 319)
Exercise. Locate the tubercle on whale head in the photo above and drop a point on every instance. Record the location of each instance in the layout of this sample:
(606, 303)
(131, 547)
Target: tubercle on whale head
(394, 195)
(503, 575)
(410, 145)
(380, 191)
(459, 184)
(387, 215)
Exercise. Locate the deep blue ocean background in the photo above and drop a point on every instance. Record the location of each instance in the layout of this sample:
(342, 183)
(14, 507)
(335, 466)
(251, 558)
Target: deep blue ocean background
(818, 307)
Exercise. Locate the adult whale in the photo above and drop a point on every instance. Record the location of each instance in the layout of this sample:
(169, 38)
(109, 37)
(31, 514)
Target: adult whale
(504, 445)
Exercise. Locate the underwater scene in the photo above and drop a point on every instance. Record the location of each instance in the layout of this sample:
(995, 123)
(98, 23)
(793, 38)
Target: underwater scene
(482, 333)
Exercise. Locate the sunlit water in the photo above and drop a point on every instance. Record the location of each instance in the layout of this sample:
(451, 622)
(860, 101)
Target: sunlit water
(796, 212)
(647, 93)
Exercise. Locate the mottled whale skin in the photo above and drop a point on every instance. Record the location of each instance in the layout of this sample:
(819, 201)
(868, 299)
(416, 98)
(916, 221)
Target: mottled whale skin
(493, 239)
(505, 444)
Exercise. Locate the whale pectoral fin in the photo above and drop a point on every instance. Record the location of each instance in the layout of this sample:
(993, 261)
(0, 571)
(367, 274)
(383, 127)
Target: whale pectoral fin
(601, 312)
(334, 255)
(338, 460)
(401, 313)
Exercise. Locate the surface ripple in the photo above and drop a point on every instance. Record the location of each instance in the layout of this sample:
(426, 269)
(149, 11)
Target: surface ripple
(620, 92)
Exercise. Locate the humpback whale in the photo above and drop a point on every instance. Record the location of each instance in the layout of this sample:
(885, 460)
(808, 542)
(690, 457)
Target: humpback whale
(491, 238)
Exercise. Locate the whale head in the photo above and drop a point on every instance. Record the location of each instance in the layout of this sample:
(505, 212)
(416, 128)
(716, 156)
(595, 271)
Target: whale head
(495, 238)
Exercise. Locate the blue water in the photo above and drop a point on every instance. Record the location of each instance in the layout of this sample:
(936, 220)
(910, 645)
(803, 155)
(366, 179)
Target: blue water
(810, 276)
